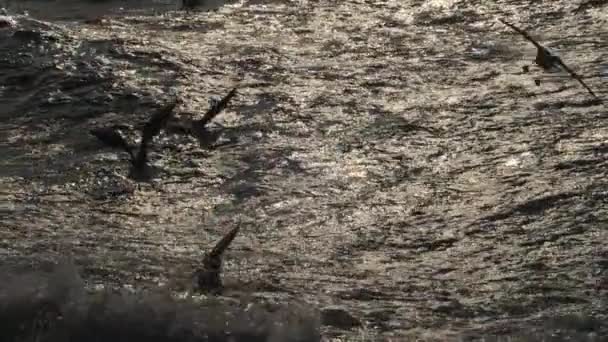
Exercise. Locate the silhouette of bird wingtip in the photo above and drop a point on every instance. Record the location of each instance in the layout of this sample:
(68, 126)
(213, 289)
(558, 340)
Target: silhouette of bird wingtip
(225, 242)
(217, 107)
(208, 277)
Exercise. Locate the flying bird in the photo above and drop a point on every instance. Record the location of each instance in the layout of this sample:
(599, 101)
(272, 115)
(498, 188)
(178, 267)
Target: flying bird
(208, 276)
(546, 60)
(206, 136)
(111, 137)
(199, 128)
(216, 108)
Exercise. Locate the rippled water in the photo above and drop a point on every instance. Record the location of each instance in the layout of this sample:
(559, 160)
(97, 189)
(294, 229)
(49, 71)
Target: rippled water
(392, 158)
(78, 10)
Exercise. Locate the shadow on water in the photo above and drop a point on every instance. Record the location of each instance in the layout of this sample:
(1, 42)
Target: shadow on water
(251, 181)
(56, 87)
(78, 10)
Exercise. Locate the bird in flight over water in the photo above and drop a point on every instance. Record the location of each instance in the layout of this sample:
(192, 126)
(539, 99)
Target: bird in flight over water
(208, 276)
(199, 128)
(140, 168)
(546, 60)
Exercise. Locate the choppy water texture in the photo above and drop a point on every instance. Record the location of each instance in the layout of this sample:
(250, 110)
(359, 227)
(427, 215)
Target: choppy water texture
(392, 158)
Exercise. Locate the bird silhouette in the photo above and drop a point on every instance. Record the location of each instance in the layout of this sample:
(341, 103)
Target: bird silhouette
(199, 129)
(140, 169)
(216, 108)
(208, 278)
(546, 60)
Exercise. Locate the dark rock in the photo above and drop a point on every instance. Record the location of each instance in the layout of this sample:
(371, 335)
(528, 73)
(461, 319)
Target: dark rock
(338, 317)
(7, 22)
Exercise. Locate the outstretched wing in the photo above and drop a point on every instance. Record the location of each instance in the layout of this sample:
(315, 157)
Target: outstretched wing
(576, 77)
(223, 244)
(544, 50)
(157, 122)
(217, 108)
(151, 129)
(523, 33)
(112, 138)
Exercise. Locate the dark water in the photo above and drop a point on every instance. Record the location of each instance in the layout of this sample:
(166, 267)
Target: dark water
(78, 10)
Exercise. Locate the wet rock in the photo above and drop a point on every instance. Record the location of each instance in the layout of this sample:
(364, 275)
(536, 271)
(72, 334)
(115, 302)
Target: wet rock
(362, 294)
(383, 319)
(451, 307)
(7, 22)
(437, 17)
(100, 21)
(33, 36)
(338, 317)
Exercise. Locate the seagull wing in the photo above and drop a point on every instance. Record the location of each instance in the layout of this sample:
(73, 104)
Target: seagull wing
(112, 138)
(217, 108)
(151, 129)
(523, 33)
(223, 244)
(157, 122)
(576, 77)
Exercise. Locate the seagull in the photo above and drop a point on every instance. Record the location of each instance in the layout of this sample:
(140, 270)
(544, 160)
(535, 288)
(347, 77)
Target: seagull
(204, 135)
(199, 129)
(208, 276)
(140, 169)
(546, 60)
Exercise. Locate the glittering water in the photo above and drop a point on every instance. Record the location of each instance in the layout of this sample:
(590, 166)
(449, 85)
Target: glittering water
(393, 158)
